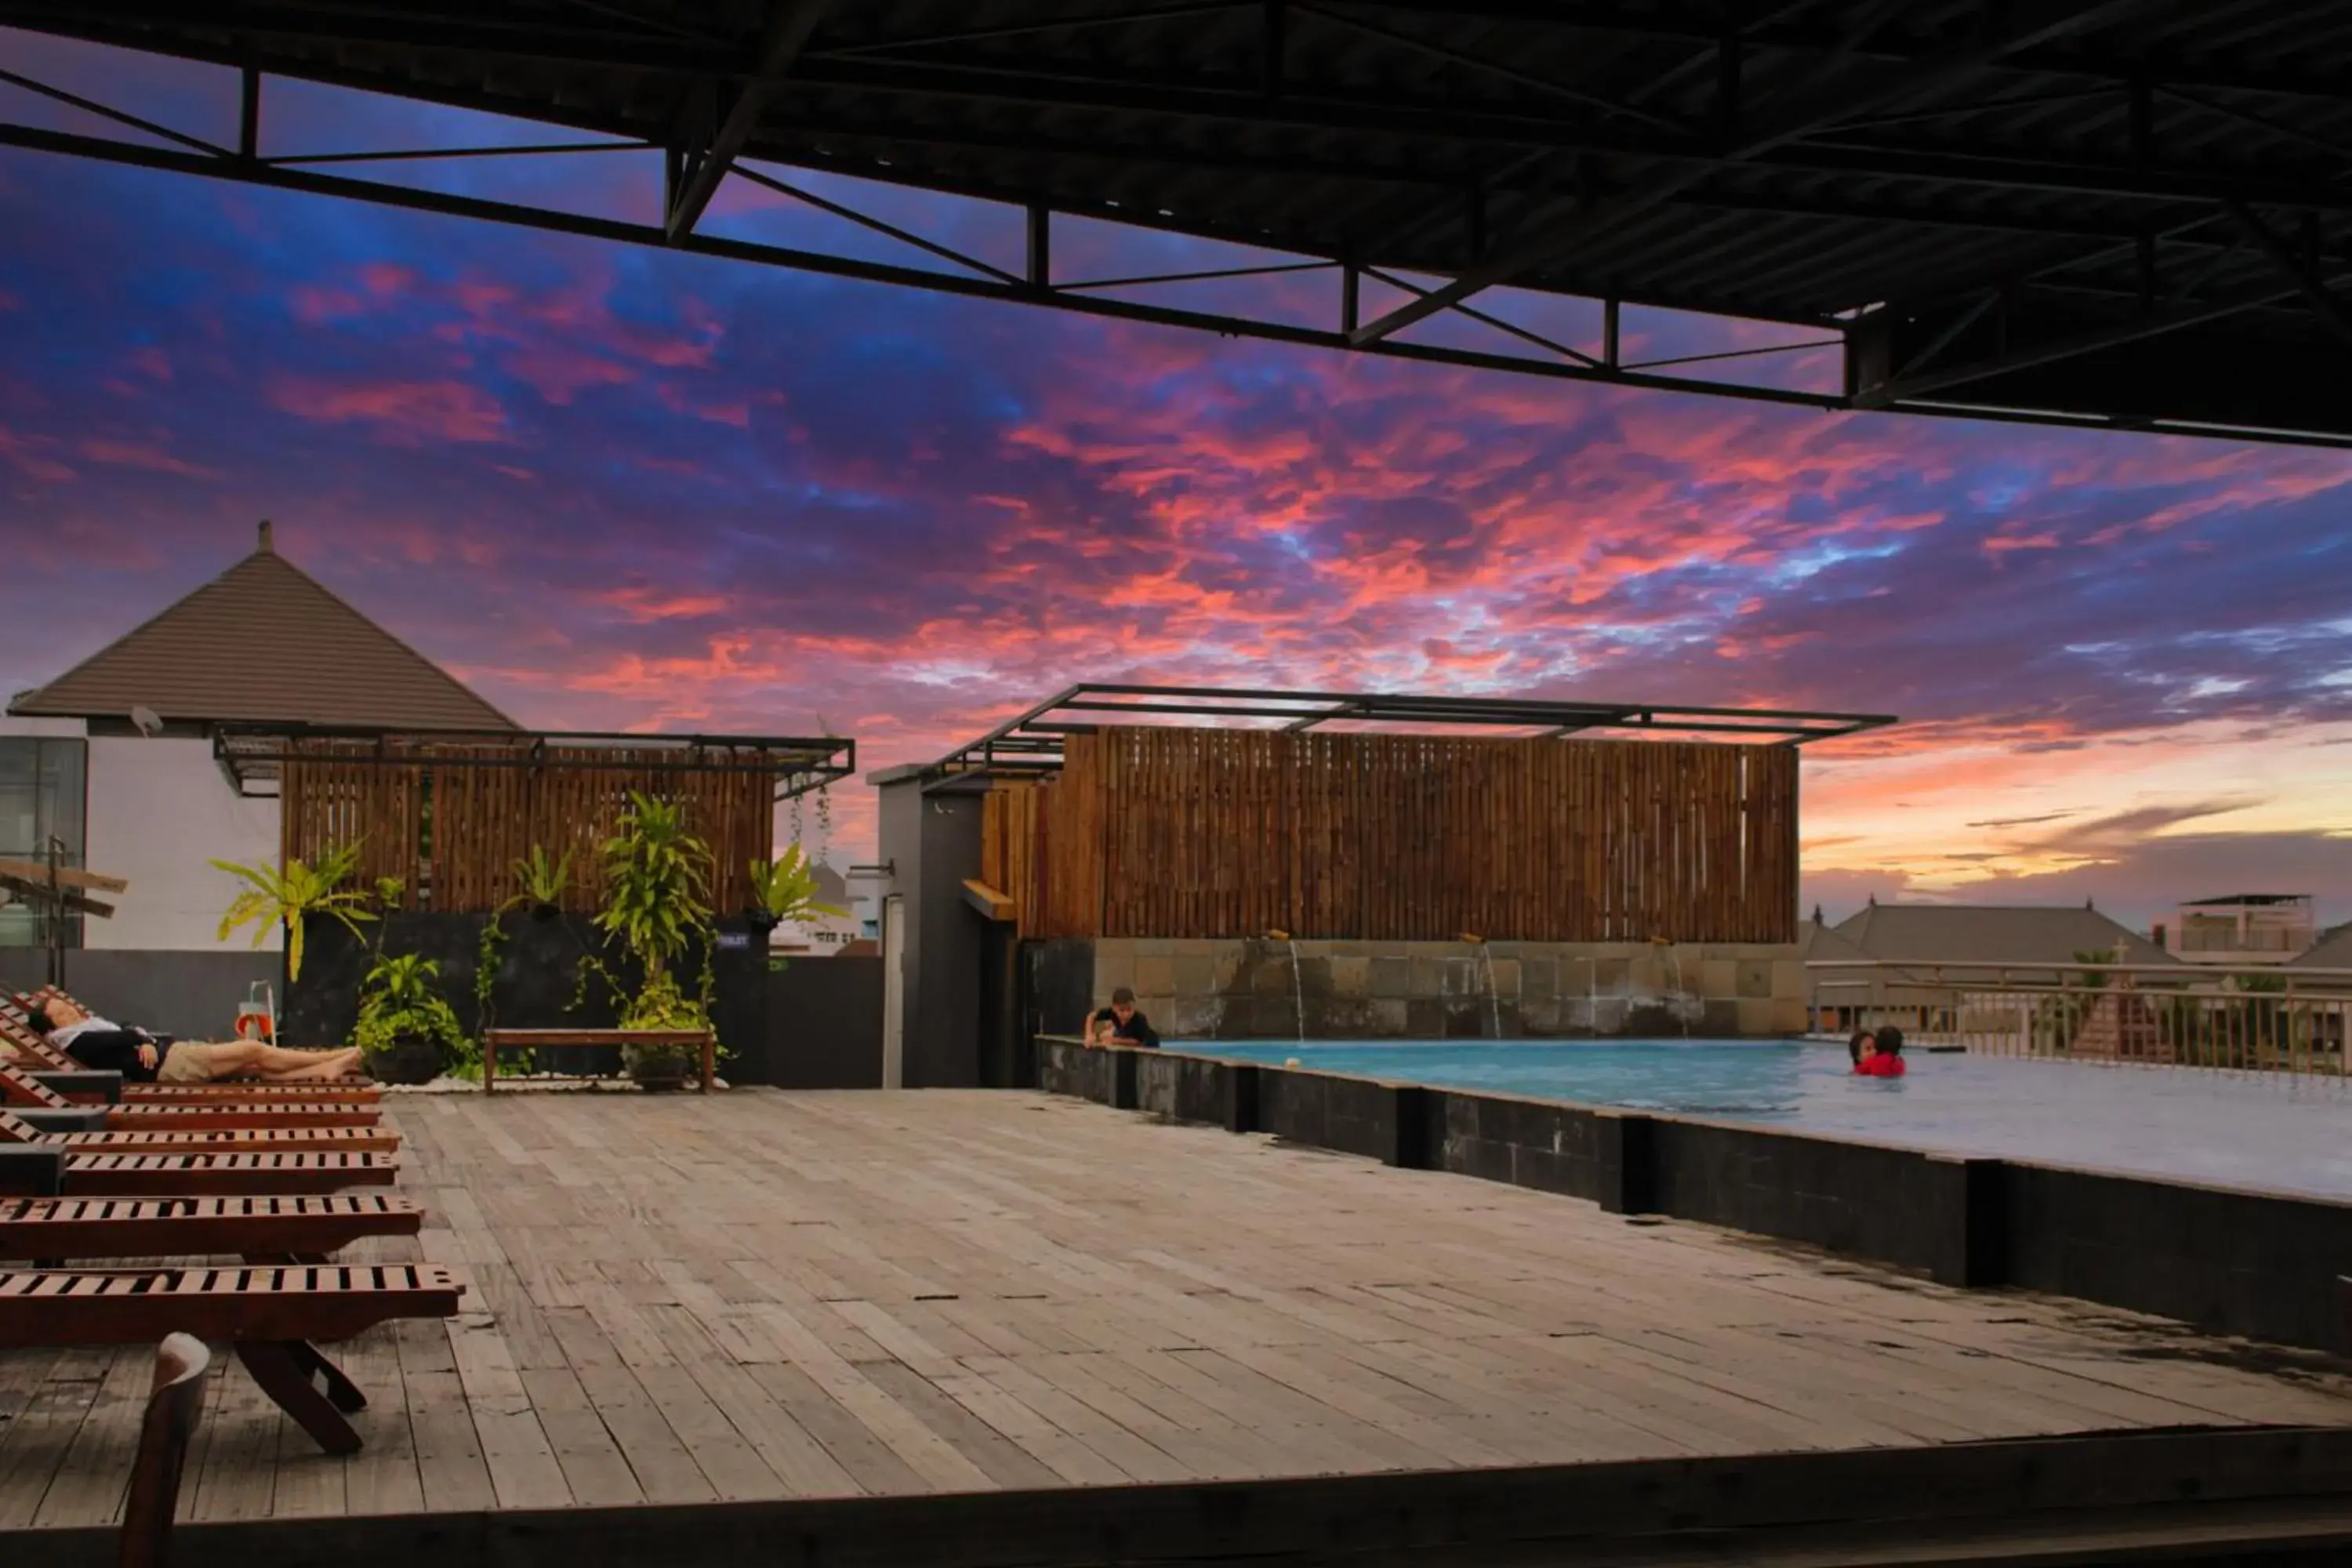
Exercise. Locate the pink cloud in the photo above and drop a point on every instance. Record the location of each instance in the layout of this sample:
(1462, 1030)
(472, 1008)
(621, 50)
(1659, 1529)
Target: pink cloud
(407, 413)
(132, 455)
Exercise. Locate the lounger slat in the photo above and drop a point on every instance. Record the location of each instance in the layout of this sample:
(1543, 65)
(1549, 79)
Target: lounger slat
(107, 1307)
(232, 1141)
(165, 1228)
(215, 1175)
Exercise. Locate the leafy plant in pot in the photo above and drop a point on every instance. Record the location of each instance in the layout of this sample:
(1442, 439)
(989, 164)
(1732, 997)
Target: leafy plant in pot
(783, 892)
(275, 899)
(407, 1031)
(544, 881)
(656, 908)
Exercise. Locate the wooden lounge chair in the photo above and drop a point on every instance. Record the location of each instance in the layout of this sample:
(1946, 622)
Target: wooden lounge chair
(58, 1128)
(220, 1175)
(33, 1050)
(177, 1400)
(23, 1091)
(273, 1229)
(271, 1315)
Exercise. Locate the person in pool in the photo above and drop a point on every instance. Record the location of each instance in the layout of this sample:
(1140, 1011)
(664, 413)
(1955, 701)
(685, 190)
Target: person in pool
(1121, 1025)
(1883, 1057)
(1859, 1047)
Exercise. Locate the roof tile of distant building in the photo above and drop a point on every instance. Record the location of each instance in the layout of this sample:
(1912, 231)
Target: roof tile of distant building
(2249, 899)
(2333, 951)
(265, 643)
(1992, 934)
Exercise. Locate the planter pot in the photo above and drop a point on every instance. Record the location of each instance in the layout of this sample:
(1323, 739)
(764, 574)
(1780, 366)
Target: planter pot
(657, 1072)
(760, 920)
(544, 912)
(409, 1061)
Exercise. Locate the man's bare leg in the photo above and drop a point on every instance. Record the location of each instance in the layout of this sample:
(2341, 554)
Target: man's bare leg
(238, 1059)
(323, 1064)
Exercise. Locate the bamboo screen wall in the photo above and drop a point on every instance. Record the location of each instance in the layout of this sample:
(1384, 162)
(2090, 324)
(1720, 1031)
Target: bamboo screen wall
(452, 822)
(1224, 833)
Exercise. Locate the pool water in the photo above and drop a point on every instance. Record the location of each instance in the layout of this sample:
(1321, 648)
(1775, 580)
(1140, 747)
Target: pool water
(2239, 1129)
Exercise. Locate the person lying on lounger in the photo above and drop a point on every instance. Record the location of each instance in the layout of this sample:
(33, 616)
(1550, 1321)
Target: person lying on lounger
(107, 1047)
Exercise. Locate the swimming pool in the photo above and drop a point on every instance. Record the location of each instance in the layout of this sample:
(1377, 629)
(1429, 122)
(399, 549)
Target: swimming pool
(2241, 1131)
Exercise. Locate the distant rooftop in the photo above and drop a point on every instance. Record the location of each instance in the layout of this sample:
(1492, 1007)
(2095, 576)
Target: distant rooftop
(2247, 899)
(1033, 742)
(1993, 933)
(264, 643)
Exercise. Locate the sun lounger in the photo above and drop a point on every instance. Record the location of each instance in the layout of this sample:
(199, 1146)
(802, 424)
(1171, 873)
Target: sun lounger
(274, 1228)
(34, 1050)
(22, 1091)
(62, 1129)
(216, 1175)
(172, 1407)
(272, 1315)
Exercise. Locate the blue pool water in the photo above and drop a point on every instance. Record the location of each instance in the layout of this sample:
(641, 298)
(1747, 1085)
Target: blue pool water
(2236, 1129)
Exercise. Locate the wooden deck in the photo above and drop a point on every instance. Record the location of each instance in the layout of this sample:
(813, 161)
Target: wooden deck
(764, 1295)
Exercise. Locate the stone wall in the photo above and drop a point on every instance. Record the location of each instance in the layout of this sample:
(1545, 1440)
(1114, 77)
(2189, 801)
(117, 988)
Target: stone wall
(1266, 989)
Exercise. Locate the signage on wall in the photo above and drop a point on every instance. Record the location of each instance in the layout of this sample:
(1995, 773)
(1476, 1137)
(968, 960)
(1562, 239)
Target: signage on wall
(734, 941)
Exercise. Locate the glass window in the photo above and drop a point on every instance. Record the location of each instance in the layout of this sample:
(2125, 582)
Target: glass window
(44, 795)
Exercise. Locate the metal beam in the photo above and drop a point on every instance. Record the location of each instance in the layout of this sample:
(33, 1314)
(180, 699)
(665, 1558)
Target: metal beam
(1825, 104)
(2330, 306)
(790, 22)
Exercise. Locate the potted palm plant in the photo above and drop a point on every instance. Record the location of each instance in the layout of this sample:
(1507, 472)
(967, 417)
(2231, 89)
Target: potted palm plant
(407, 1032)
(783, 892)
(656, 908)
(285, 899)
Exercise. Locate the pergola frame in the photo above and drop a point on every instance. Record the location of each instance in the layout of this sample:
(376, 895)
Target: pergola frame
(2124, 214)
(253, 754)
(1032, 741)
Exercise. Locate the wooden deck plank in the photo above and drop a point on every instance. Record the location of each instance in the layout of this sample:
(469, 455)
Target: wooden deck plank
(769, 1295)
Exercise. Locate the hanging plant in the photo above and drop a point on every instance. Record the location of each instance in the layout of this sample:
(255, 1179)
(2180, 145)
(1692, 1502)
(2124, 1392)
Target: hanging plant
(657, 879)
(285, 899)
(544, 882)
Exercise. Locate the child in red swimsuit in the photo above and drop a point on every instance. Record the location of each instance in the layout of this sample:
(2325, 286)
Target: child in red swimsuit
(1885, 1056)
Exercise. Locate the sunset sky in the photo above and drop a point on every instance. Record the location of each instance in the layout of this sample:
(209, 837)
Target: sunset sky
(615, 488)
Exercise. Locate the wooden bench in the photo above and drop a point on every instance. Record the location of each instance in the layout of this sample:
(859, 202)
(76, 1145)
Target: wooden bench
(275, 1226)
(24, 1091)
(271, 1314)
(495, 1041)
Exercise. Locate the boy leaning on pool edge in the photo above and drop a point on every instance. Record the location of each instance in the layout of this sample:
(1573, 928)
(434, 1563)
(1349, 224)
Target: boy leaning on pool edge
(1119, 1024)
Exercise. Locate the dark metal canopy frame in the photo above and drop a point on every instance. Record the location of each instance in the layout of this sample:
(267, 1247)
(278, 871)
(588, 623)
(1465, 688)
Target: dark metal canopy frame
(253, 755)
(1032, 743)
(2132, 213)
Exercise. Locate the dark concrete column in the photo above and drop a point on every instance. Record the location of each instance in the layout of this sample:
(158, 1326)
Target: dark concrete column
(1409, 1127)
(105, 1086)
(1241, 1098)
(1968, 1213)
(1122, 1078)
(32, 1170)
(1629, 1161)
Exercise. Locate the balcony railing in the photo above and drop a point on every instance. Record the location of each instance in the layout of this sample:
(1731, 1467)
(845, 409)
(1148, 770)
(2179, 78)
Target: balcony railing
(2292, 1022)
(2230, 939)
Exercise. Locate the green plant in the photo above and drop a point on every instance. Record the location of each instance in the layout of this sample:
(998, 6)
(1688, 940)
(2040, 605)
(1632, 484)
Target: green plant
(656, 882)
(287, 899)
(399, 1001)
(656, 888)
(784, 888)
(544, 882)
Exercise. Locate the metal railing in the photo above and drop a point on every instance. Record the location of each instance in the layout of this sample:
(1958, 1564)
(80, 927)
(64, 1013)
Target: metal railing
(2259, 939)
(2262, 1020)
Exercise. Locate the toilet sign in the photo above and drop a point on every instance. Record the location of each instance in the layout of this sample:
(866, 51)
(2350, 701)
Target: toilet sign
(734, 941)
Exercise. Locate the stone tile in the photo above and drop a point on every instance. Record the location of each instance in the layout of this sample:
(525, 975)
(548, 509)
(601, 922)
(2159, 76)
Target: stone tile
(1540, 1017)
(1755, 1014)
(1463, 977)
(1428, 976)
(1719, 978)
(1196, 1016)
(1155, 1006)
(1538, 978)
(1226, 968)
(1646, 976)
(1385, 1018)
(1155, 947)
(1350, 976)
(1155, 975)
(1755, 977)
(1425, 1018)
(1273, 976)
(1611, 976)
(1720, 1019)
(1392, 976)
(1114, 966)
(1788, 1015)
(1195, 975)
(1790, 978)
(1196, 947)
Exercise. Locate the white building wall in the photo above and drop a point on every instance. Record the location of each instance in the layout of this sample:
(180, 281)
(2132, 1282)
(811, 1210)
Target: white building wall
(159, 812)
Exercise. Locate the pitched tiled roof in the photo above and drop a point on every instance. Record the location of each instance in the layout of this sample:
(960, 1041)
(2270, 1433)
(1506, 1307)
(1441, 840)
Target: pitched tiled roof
(265, 643)
(1992, 934)
(2333, 951)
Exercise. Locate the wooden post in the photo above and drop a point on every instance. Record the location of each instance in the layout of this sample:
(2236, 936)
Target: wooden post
(490, 1060)
(710, 1059)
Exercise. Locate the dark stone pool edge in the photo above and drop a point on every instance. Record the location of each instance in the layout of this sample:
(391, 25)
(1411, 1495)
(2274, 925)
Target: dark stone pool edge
(2224, 1260)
